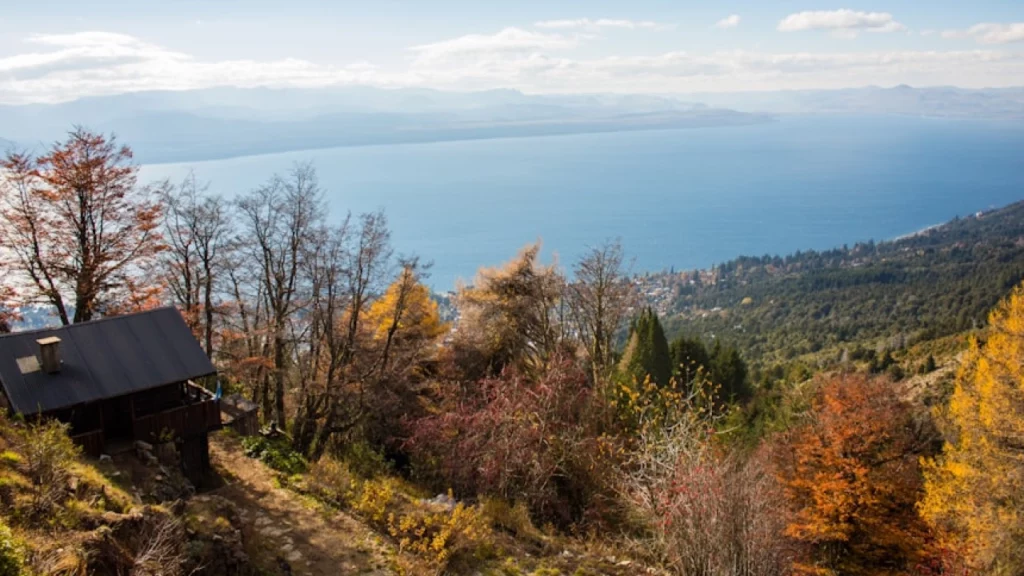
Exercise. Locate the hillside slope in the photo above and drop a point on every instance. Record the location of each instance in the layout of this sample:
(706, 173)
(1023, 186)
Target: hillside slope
(937, 282)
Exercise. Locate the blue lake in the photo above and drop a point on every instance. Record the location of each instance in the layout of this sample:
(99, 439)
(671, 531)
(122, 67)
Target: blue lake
(676, 198)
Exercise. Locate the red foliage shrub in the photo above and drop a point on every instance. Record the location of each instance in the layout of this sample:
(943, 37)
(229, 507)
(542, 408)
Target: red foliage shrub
(538, 441)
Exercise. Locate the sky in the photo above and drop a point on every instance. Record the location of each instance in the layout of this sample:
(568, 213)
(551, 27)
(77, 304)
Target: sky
(59, 50)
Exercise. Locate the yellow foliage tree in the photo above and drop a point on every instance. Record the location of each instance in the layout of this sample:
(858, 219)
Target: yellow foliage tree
(974, 491)
(511, 314)
(406, 312)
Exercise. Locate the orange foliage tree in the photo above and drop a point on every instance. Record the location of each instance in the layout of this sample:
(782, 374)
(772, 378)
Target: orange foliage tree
(79, 230)
(852, 478)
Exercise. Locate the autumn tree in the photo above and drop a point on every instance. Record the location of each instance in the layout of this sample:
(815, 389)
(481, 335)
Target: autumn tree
(405, 318)
(82, 234)
(974, 491)
(852, 479)
(406, 336)
(512, 315)
(600, 297)
(198, 230)
(245, 343)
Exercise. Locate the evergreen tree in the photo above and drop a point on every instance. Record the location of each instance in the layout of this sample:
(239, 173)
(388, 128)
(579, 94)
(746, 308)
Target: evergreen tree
(729, 372)
(689, 358)
(929, 365)
(647, 352)
(722, 366)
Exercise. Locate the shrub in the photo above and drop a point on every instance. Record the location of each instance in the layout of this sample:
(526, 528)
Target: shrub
(440, 535)
(436, 534)
(276, 453)
(331, 481)
(48, 454)
(364, 460)
(705, 512)
(373, 499)
(12, 553)
(538, 440)
(512, 518)
(161, 549)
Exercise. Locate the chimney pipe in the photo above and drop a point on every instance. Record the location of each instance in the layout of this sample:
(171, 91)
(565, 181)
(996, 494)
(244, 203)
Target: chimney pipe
(49, 354)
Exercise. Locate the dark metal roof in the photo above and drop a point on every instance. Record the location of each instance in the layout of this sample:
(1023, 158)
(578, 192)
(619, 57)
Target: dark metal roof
(102, 359)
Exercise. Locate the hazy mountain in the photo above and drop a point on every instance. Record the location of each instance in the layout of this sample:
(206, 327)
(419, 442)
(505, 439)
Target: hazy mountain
(223, 122)
(216, 123)
(945, 102)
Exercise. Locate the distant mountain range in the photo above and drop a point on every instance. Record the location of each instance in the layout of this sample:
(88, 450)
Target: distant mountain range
(218, 123)
(939, 102)
(224, 122)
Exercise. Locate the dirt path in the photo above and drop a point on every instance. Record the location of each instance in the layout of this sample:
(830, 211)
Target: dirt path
(287, 534)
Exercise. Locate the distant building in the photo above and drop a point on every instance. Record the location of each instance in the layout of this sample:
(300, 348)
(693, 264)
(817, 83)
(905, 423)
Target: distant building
(115, 381)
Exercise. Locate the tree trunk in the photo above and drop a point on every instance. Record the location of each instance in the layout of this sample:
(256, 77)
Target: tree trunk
(279, 381)
(208, 306)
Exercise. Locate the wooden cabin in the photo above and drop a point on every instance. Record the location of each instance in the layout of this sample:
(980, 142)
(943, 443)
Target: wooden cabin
(117, 380)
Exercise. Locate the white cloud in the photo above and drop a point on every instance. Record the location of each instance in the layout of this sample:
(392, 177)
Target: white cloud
(990, 33)
(595, 25)
(63, 67)
(96, 63)
(84, 49)
(843, 23)
(507, 40)
(730, 21)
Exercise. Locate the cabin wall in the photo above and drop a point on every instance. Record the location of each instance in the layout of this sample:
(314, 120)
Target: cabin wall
(83, 418)
(156, 400)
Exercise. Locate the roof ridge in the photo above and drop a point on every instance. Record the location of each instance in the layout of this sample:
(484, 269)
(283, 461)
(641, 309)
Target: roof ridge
(88, 322)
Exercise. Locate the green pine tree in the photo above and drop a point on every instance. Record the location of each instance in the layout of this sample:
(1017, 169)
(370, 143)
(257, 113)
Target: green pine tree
(689, 359)
(729, 372)
(647, 351)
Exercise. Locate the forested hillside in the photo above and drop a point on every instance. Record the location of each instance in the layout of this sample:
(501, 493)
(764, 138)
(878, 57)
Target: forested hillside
(937, 282)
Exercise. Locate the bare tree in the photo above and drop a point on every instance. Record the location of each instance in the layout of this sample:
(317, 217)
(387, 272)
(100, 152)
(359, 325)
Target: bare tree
(319, 371)
(245, 347)
(600, 298)
(365, 266)
(278, 220)
(197, 227)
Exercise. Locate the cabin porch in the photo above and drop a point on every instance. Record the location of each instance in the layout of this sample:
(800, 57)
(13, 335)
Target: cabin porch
(175, 412)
